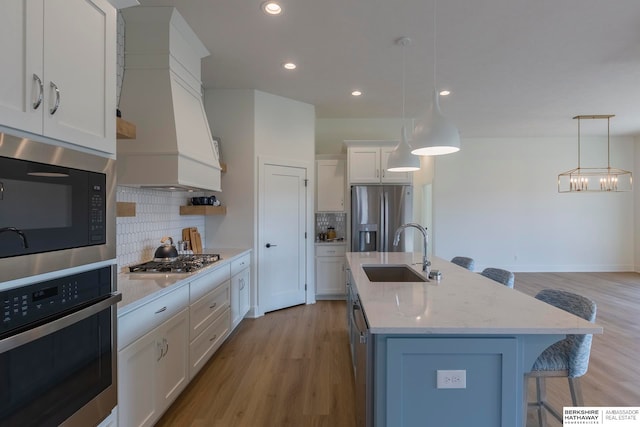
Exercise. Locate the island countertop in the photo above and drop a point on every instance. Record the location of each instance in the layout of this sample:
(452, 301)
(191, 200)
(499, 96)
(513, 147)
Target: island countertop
(462, 302)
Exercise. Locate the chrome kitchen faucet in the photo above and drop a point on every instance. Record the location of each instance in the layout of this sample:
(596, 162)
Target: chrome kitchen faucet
(425, 261)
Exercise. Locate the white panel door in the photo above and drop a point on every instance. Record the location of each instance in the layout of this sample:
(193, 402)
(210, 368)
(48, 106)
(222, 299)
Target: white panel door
(281, 237)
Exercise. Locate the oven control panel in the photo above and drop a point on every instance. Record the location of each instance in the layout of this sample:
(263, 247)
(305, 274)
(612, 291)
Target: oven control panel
(31, 303)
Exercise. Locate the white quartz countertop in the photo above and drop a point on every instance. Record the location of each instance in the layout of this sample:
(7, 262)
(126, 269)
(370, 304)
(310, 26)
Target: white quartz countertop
(462, 302)
(140, 288)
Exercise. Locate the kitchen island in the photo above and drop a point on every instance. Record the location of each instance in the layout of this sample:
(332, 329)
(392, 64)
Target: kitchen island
(488, 334)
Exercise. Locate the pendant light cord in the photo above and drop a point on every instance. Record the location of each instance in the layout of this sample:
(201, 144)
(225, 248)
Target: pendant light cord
(435, 33)
(403, 79)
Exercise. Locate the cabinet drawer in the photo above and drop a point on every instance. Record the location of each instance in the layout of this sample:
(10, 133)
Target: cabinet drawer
(240, 264)
(331, 250)
(138, 322)
(203, 285)
(208, 342)
(208, 308)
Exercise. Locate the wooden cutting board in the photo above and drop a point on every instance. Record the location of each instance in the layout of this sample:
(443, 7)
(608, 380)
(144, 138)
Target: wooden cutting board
(198, 242)
(195, 239)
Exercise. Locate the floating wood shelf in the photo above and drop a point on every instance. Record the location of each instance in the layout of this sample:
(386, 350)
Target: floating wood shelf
(203, 210)
(125, 129)
(125, 209)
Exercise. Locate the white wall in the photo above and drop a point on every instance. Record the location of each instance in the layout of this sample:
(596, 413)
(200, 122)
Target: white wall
(231, 118)
(331, 133)
(284, 128)
(254, 125)
(496, 201)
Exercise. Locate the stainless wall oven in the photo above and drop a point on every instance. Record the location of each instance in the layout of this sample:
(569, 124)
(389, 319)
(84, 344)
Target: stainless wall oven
(57, 208)
(58, 351)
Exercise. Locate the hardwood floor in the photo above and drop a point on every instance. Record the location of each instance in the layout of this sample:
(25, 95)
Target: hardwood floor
(289, 368)
(292, 367)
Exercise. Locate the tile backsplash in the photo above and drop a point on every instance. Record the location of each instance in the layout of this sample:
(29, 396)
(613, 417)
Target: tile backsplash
(331, 219)
(157, 215)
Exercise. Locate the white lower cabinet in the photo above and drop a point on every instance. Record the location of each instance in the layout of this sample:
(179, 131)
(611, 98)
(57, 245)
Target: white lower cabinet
(240, 289)
(153, 370)
(330, 271)
(163, 343)
(210, 317)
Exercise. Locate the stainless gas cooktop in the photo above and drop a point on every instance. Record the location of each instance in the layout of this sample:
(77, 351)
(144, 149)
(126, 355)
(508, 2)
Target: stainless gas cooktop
(182, 264)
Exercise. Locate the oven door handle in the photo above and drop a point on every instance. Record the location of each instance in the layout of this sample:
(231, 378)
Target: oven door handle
(27, 336)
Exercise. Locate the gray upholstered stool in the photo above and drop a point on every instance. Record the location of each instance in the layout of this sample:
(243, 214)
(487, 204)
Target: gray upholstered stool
(567, 358)
(499, 275)
(464, 261)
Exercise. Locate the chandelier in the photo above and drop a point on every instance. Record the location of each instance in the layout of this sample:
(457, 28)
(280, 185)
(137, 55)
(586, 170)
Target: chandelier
(595, 179)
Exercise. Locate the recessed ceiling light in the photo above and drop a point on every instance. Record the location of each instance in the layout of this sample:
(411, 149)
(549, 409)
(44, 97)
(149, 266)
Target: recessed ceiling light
(356, 93)
(271, 8)
(289, 65)
(445, 92)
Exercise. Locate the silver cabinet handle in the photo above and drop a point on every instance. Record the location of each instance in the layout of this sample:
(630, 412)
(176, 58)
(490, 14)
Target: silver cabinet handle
(1, 190)
(269, 245)
(214, 338)
(377, 173)
(241, 284)
(166, 347)
(162, 309)
(160, 351)
(53, 110)
(38, 101)
(213, 306)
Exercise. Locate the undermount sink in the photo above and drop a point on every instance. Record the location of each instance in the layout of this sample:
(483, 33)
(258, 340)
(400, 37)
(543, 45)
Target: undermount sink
(392, 273)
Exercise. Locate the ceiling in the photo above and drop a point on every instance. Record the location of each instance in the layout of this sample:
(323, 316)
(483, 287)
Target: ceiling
(514, 67)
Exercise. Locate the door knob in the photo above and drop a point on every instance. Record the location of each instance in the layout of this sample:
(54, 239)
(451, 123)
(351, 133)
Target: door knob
(268, 245)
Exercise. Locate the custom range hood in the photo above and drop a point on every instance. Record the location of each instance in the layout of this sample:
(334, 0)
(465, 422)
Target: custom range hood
(162, 95)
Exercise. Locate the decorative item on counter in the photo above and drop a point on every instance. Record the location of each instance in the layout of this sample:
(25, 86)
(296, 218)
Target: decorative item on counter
(166, 252)
(184, 247)
(331, 233)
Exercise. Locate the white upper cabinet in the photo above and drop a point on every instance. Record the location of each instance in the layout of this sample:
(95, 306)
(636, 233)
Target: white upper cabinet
(368, 165)
(59, 78)
(330, 185)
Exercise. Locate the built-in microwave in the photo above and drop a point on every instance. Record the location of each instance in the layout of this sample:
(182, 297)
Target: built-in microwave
(57, 208)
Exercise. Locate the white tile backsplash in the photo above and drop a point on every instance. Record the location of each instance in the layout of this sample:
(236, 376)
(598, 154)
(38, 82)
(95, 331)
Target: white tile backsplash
(157, 215)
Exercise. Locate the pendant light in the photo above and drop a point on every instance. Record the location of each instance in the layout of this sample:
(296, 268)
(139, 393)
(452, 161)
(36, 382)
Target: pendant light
(435, 134)
(401, 159)
(595, 179)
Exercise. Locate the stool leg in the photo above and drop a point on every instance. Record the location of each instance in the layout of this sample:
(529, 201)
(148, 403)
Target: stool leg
(541, 396)
(576, 392)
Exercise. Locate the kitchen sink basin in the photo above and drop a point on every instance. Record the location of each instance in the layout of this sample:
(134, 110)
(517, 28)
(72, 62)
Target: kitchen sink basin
(392, 273)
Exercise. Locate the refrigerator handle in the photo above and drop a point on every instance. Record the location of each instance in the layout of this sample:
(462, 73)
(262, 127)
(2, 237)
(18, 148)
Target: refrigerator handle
(383, 223)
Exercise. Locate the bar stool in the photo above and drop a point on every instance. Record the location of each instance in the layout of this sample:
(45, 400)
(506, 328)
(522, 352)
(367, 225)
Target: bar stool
(567, 358)
(464, 261)
(499, 275)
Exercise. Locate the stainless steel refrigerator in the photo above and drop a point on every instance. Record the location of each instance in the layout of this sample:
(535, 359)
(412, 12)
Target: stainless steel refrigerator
(376, 212)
